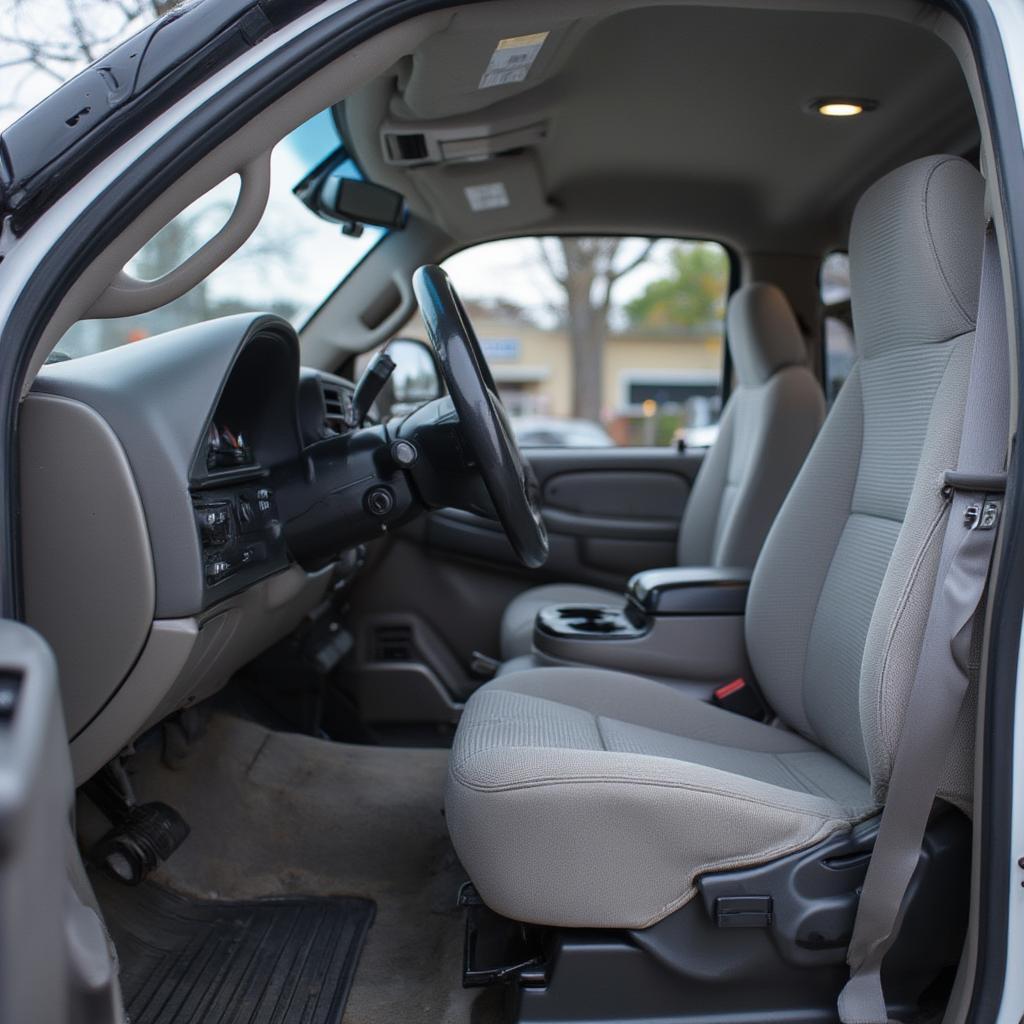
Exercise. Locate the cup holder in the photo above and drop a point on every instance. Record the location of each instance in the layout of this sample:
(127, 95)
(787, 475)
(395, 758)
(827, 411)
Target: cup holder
(588, 620)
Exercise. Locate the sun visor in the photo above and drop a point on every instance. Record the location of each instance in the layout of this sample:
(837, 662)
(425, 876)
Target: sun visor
(481, 197)
(471, 65)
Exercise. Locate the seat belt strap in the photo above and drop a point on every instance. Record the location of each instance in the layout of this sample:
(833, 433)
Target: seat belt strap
(974, 492)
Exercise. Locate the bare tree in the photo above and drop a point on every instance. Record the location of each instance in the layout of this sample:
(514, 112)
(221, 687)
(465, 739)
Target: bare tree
(586, 269)
(46, 42)
(51, 40)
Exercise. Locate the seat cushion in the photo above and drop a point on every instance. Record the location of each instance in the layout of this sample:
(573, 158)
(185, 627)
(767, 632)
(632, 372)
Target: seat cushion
(585, 798)
(517, 622)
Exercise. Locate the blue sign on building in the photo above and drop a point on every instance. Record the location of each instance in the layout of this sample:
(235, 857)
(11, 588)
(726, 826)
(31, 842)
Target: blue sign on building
(500, 350)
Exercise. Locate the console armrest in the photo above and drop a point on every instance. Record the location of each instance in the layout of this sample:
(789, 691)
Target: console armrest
(690, 591)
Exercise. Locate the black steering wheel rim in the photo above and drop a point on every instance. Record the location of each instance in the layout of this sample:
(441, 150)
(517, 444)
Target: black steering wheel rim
(482, 417)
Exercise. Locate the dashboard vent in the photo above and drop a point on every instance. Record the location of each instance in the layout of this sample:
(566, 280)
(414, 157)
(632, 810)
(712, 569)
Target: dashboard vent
(337, 406)
(392, 643)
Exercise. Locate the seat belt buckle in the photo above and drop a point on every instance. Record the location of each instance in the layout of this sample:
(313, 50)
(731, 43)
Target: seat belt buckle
(740, 698)
(982, 515)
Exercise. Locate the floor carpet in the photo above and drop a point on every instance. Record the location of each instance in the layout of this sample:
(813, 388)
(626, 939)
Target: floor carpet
(278, 814)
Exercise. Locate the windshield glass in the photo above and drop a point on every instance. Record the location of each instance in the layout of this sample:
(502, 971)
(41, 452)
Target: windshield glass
(292, 262)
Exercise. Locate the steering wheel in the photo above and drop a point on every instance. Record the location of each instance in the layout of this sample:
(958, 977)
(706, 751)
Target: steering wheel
(482, 417)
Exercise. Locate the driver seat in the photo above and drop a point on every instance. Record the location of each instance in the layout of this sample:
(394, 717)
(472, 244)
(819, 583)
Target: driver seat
(586, 798)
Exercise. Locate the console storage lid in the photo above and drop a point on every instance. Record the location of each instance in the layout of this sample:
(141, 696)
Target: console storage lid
(698, 590)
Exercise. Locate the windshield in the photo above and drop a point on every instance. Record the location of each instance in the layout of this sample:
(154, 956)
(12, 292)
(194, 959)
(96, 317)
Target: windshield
(290, 264)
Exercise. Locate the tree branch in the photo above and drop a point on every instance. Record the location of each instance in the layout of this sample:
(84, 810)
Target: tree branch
(72, 34)
(549, 264)
(632, 265)
(78, 30)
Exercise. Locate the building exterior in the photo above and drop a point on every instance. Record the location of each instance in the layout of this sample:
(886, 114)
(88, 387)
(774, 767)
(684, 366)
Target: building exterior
(533, 368)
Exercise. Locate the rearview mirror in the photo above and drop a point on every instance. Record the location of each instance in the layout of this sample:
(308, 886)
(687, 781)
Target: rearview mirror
(352, 202)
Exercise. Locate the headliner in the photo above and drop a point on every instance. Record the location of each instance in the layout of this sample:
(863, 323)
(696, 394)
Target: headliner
(686, 120)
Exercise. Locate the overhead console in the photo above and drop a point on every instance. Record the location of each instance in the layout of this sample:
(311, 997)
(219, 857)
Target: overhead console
(436, 142)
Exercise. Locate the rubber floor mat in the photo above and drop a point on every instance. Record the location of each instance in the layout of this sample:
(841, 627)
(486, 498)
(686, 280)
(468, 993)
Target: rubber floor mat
(270, 961)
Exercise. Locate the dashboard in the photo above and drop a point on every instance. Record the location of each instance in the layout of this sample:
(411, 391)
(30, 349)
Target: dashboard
(153, 536)
(234, 500)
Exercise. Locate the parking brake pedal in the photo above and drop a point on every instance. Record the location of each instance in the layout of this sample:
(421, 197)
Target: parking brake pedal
(148, 834)
(143, 834)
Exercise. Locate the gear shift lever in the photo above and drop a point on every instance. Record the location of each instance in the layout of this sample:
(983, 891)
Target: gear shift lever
(370, 385)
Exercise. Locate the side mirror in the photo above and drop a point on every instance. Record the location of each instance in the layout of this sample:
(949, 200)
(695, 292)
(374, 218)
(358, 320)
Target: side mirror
(416, 379)
(350, 201)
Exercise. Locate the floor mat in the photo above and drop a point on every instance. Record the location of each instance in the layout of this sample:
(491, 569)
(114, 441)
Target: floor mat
(275, 814)
(269, 961)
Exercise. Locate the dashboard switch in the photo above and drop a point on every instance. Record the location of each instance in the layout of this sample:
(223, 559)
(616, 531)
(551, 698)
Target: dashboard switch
(246, 513)
(214, 524)
(216, 571)
(403, 453)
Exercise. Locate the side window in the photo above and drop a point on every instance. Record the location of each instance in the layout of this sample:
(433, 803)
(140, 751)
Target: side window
(600, 341)
(838, 322)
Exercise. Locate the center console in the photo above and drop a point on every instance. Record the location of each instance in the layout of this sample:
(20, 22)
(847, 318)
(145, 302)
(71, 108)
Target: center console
(682, 624)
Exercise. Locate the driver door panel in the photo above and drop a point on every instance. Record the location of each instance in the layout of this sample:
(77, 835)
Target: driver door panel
(609, 513)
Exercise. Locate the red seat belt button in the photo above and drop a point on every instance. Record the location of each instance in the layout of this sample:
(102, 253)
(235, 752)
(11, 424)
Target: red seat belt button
(728, 689)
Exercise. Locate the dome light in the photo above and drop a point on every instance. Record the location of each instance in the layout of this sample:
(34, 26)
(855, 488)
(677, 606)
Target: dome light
(837, 107)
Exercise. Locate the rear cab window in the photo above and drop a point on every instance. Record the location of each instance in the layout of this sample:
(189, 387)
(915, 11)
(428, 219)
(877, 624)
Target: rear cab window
(838, 342)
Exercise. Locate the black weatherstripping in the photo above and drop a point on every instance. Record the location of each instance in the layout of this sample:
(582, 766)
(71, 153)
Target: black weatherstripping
(83, 120)
(288, 960)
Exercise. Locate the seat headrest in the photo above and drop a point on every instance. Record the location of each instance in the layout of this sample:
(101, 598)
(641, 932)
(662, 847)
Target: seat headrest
(915, 255)
(763, 333)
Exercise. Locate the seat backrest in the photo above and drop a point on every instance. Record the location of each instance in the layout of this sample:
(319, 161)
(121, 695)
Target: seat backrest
(840, 595)
(767, 428)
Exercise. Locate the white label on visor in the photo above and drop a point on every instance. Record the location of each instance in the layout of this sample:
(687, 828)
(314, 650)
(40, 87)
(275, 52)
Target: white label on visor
(511, 60)
(492, 196)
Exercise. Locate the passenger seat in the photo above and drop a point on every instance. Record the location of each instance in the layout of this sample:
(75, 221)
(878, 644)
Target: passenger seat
(766, 430)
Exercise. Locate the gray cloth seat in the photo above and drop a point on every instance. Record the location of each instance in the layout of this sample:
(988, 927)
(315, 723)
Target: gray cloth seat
(618, 786)
(580, 797)
(766, 429)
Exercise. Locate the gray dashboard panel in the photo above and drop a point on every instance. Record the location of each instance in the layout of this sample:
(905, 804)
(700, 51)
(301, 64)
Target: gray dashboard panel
(87, 563)
(130, 388)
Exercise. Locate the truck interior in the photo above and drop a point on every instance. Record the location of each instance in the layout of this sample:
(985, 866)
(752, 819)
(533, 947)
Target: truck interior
(374, 713)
